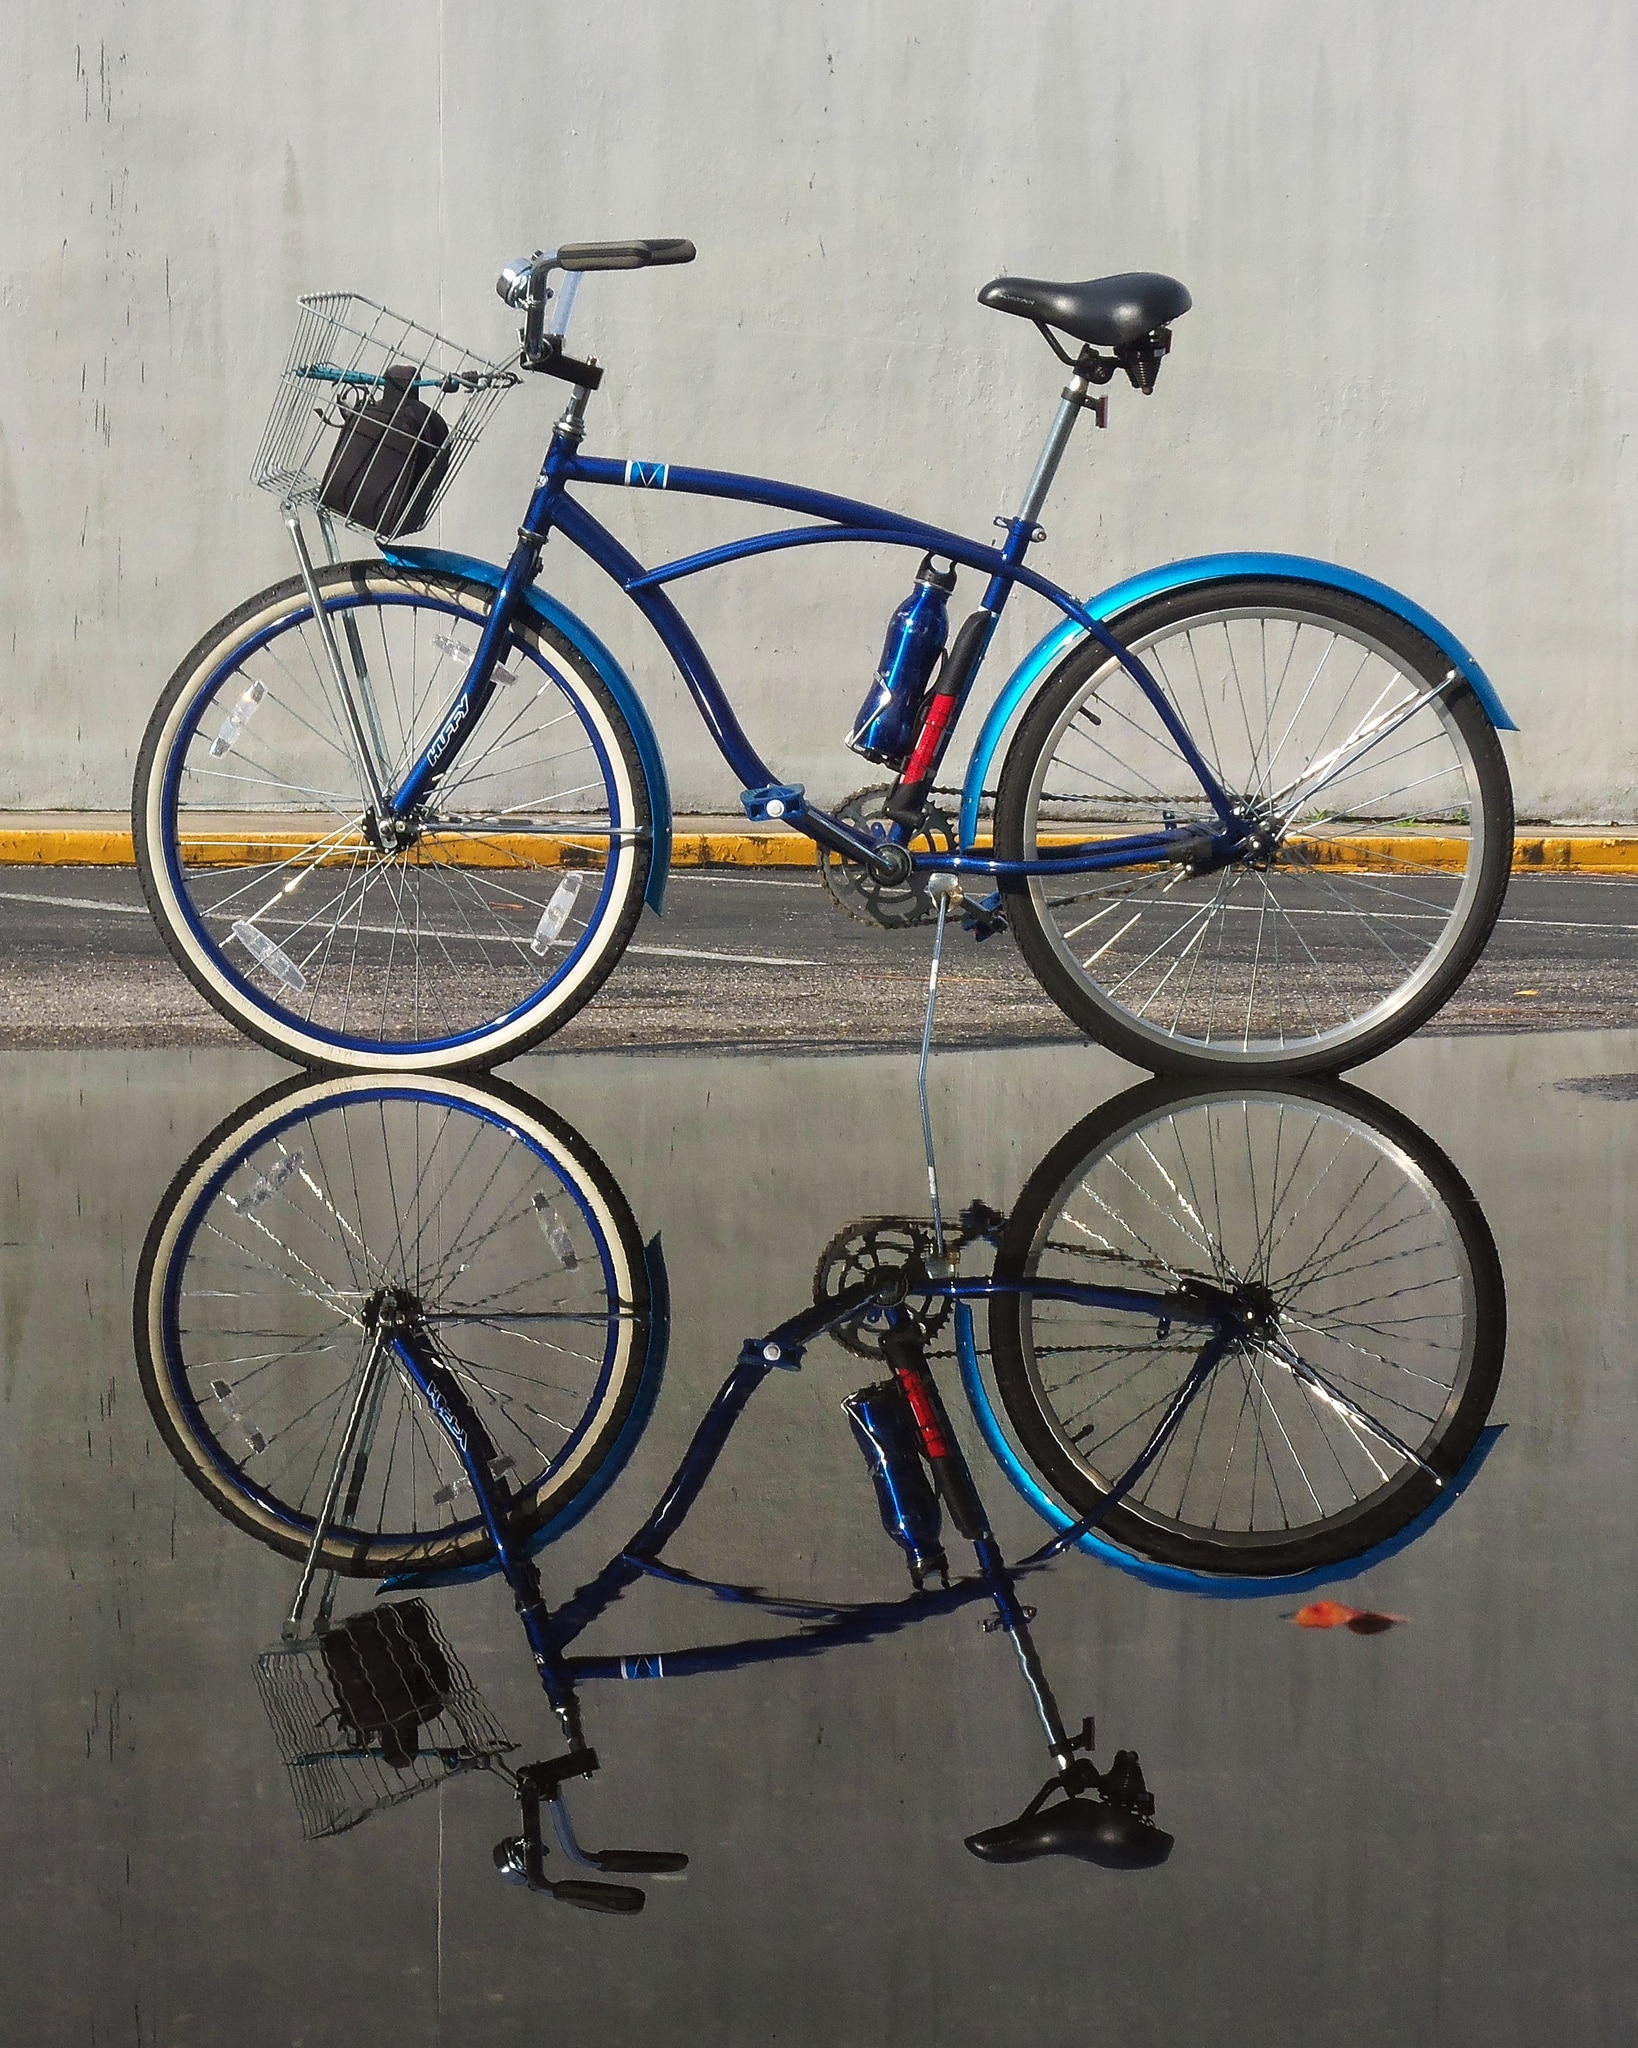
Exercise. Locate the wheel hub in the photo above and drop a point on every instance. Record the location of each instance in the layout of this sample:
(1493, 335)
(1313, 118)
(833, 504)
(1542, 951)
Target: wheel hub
(390, 834)
(392, 1309)
(1257, 1309)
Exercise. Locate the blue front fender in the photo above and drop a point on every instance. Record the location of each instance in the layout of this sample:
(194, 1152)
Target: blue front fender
(1121, 597)
(580, 636)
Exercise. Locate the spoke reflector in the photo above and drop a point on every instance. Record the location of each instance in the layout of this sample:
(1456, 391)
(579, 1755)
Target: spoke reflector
(556, 914)
(273, 957)
(240, 716)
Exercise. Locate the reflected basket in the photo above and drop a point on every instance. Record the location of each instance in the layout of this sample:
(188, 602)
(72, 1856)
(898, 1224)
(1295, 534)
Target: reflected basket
(374, 416)
(371, 1712)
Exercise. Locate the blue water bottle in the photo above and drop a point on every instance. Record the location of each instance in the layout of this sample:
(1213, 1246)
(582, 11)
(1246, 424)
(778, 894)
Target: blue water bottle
(886, 725)
(886, 1432)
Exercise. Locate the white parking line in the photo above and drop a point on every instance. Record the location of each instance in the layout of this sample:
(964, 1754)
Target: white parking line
(75, 903)
(387, 931)
(734, 959)
(745, 881)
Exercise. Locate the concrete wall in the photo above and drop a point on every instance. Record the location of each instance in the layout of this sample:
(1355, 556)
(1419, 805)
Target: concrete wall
(1408, 228)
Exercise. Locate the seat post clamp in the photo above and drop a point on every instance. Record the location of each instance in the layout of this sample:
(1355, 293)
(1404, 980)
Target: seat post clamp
(1090, 369)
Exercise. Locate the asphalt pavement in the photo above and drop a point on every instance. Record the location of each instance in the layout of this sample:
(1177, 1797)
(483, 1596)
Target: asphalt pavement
(752, 961)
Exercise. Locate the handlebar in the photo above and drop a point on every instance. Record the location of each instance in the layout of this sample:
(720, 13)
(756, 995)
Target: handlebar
(521, 1859)
(522, 282)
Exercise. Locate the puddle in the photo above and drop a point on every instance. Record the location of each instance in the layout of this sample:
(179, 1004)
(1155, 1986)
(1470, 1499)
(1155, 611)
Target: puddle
(241, 1808)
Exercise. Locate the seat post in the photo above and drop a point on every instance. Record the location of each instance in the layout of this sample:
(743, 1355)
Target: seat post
(1076, 396)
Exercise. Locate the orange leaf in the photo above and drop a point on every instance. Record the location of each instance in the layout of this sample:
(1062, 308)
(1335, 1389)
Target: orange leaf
(1364, 1621)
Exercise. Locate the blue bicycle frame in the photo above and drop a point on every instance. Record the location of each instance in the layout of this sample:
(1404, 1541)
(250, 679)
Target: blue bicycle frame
(820, 1626)
(550, 1632)
(551, 509)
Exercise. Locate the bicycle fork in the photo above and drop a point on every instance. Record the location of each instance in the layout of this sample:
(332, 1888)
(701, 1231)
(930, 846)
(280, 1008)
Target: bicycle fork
(389, 810)
(397, 1340)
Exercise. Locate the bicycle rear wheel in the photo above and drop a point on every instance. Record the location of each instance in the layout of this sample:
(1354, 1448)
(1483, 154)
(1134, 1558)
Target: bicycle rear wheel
(1368, 762)
(1376, 1288)
(524, 873)
(251, 1305)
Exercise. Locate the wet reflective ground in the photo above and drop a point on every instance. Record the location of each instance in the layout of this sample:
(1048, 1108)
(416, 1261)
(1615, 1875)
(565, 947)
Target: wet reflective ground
(1424, 1833)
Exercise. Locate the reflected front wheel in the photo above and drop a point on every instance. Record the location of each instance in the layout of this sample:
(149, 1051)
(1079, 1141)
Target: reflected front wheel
(478, 1214)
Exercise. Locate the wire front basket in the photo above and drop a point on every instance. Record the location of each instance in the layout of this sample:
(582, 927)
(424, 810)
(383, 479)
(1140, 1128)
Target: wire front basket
(371, 1712)
(374, 415)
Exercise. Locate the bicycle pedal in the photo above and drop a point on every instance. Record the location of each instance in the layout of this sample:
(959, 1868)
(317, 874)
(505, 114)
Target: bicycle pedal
(774, 802)
(767, 1351)
(984, 917)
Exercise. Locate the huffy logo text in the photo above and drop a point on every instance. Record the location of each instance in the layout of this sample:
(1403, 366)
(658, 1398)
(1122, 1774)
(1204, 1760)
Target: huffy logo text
(452, 725)
(440, 1408)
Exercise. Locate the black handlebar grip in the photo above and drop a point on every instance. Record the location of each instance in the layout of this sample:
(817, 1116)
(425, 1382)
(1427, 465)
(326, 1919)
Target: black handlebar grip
(624, 255)
(597, 1898)
(642, 1862)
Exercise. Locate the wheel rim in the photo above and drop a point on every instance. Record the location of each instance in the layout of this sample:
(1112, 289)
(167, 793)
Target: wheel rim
(1369, 1280)
(268, 1251)
(1381, 858)
(397, 953)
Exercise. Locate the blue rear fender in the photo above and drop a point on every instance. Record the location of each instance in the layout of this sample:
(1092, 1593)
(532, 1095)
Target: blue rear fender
(1178, 1578)
(1121, 597)
(619, 685)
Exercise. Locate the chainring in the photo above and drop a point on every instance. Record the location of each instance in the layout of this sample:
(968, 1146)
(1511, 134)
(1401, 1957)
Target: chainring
(863, 1252)
(896, 905)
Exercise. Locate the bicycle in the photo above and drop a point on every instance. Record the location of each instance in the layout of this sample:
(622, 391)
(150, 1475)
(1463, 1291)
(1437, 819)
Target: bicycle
(408, 1330)
(405, 813)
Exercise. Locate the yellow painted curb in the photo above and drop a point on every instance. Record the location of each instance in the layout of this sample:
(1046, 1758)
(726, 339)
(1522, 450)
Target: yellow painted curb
(107, 846)
(742, 850)
(1582, 856)
(92, 847)
(70, 847)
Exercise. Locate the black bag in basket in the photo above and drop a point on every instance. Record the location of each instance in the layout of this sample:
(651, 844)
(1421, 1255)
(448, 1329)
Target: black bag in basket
(390, 1677)
(390, 459)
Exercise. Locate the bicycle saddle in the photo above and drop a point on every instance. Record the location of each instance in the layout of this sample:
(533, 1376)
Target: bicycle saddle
(1086, 1828)
(1110, 312)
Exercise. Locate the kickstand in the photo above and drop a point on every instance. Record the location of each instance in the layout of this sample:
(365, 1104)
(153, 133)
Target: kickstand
(944, 888)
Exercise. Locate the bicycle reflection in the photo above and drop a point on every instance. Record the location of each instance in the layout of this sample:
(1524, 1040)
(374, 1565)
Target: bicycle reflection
(408, 1330)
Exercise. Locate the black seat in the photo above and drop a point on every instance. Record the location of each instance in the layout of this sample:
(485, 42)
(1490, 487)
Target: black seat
(1086, 1828)
(1109, 312)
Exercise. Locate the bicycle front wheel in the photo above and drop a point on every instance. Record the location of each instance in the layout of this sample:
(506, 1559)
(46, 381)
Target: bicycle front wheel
(252, 1316)
(517, 886)
(1371, 1338)
(1368, 766)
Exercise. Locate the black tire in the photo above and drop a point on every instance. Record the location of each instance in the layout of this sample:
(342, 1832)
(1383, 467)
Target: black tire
(1374, 908)
(249, 818)
(1169, 1183)
(246, 1309)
